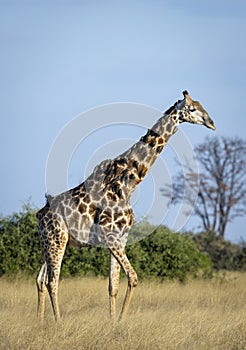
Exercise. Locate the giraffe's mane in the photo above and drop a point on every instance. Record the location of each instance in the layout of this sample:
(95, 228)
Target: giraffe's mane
(172, 108)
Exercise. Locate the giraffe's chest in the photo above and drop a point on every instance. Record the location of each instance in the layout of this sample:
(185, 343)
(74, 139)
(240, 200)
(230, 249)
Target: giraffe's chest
(95, 222)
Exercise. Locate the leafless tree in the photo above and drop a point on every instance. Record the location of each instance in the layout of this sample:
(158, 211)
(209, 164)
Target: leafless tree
(221, 196)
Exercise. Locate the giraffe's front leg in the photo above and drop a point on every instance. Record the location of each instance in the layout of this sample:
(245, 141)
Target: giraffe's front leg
(114, 276)
(121, 257)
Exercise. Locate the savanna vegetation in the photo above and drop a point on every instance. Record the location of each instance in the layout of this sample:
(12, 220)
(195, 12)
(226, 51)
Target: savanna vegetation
(162, 254)
(206, 313)
(202, 314)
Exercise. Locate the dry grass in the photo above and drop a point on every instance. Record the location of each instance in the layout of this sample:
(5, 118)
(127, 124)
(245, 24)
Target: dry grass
(199, 315)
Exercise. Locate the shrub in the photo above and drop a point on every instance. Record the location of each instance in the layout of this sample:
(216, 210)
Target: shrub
(224, 254)
(168, 255)
(163, 254)
(19, 243)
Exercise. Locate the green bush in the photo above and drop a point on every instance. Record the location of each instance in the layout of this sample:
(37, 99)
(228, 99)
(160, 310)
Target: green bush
(224, 254)
(87, 261)
(19, 244)
(167, 255)
(163, 254)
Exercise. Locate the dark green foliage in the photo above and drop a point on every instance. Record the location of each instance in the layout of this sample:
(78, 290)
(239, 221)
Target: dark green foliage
(155, 252)
(19, 244)
(224, 254)
(161, 254)
(90, 261)
(167, 255)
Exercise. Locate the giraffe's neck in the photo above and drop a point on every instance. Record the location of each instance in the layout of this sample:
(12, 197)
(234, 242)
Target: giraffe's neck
(137, 160)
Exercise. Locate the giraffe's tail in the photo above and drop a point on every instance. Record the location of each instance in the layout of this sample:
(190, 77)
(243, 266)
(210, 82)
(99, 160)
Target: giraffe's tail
(40, 213)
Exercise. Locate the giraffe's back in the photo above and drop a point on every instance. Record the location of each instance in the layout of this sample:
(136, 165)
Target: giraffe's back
(92, 213)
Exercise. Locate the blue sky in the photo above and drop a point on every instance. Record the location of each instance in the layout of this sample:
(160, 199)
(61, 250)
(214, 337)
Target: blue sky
(61, 58)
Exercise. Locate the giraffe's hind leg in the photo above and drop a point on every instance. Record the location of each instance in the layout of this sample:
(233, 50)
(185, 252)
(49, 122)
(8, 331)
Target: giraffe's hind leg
(54, 259)
(53, 240)
(42, 290)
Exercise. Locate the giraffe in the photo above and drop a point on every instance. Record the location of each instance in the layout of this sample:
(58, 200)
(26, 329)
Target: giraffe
(98, 211)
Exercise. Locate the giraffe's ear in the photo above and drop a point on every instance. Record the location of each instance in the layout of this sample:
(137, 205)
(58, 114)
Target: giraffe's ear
(187, 96)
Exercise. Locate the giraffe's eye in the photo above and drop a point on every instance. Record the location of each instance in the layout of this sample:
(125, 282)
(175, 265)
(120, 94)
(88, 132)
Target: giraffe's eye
(192, 109)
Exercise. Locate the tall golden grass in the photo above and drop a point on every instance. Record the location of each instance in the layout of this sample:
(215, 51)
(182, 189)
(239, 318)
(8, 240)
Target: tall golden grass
(199, 315)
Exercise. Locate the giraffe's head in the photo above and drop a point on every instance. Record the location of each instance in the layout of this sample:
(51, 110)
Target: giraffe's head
(192, 112)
